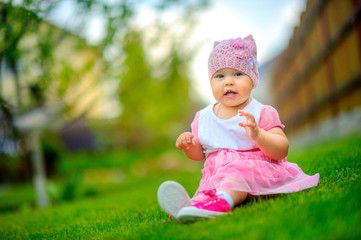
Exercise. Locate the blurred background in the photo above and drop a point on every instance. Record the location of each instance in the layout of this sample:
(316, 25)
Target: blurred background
(96, 90)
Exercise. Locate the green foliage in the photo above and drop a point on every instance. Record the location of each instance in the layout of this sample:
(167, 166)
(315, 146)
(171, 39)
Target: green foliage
(9, 167)
(47, 65)
(129, 210)
(71, 188)
(154, 108)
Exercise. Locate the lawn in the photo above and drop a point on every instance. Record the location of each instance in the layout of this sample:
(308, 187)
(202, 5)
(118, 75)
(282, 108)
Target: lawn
(128, 209)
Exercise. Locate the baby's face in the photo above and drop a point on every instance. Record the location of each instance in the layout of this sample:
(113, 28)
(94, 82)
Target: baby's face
(231, 87)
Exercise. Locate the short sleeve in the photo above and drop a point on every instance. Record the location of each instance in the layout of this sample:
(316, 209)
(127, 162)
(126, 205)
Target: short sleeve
(194, 125)
(269, 118)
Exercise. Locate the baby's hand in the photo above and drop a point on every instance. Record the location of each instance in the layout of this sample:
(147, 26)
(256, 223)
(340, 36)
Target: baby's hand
(250, 125)
(185, 141)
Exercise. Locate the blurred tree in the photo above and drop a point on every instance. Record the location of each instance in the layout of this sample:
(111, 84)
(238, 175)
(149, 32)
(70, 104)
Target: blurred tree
(155, 106)
(122, 39)
(135, 89)
(154, 94)
(152, 107)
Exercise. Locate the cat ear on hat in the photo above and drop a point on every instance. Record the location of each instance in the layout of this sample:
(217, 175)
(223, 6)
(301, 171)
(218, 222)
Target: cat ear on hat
(215, 44)
(249, 38)
(252, 43)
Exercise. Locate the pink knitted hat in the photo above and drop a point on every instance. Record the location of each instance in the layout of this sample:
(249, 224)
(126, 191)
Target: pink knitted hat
(240, 54)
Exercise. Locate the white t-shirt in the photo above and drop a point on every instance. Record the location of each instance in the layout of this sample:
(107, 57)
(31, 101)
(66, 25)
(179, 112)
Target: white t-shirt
(215, 133)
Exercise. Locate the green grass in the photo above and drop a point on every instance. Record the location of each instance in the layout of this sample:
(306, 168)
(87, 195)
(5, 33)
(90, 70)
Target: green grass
(129, 210)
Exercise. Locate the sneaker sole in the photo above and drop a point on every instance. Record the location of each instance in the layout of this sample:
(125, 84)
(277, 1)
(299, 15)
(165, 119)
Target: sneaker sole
(172, 197)
(192, 214)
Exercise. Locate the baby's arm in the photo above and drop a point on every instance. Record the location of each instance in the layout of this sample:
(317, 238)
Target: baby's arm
(273, 142)
(190, 146)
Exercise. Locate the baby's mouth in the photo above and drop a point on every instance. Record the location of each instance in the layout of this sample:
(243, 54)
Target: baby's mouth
(230, 93)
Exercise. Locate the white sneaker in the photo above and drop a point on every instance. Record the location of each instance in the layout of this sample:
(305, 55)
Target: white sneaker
(172, 197)
(193, 214)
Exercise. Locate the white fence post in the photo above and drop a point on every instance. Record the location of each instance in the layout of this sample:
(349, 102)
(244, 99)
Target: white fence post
(39, 176)
(32, 124)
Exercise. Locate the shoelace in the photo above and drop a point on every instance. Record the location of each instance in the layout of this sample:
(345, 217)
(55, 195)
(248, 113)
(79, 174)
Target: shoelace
(210, 193)
(170, 217)
(212, 197)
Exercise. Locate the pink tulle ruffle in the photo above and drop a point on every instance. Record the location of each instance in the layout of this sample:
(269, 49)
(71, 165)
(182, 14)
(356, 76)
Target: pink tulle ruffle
(253, 172)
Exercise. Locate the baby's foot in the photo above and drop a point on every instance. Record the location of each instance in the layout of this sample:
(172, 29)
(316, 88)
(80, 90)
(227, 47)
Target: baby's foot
(172, 197)
(211, 207)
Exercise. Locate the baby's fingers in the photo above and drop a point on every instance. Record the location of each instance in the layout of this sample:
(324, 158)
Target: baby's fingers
(182, 143)
(244, 113)
(188, 138)
(245, 124)
(242, 124)
(185, 141)
(190, 142)
(251, 128)
(248, 115)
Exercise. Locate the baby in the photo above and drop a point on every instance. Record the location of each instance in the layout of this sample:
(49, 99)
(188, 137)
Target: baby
(241, 139)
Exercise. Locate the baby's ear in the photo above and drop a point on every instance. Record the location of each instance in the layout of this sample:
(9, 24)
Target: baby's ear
(215, 44)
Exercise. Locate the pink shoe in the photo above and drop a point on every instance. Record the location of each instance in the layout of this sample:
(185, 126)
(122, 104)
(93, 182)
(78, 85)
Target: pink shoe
(209, 208)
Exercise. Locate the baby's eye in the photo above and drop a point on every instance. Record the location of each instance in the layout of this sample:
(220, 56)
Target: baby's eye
(220, 76)
(238, 74)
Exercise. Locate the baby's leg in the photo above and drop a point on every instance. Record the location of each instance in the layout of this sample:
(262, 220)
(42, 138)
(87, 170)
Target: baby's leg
(237, 196)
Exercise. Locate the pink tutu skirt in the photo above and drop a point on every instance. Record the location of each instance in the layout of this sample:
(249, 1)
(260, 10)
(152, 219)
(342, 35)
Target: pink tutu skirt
(253, 172)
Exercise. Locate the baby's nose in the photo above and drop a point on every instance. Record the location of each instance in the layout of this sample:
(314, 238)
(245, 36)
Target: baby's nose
(229, 81)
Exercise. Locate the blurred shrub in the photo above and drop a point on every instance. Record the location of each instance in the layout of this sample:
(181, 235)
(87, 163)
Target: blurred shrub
(8, 166)
(70, 191)
(52, 151)
(18, 168)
